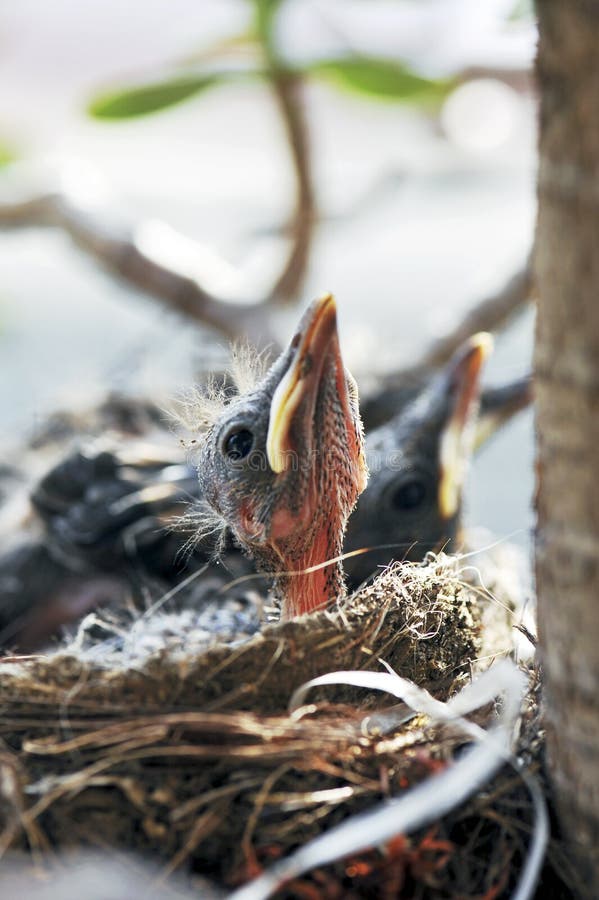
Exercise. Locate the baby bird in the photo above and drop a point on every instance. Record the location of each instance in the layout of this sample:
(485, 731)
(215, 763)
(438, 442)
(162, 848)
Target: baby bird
(103, 534)
(284, 465)
(418, 463)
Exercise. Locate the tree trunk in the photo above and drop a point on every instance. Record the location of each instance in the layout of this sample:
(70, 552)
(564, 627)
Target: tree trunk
(567, 392)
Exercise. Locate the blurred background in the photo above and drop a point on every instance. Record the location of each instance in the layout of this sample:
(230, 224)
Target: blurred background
(419, 116)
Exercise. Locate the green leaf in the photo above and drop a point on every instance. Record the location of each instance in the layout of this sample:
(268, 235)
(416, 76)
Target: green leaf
(380, 78)
(7, 155)
(145, 99)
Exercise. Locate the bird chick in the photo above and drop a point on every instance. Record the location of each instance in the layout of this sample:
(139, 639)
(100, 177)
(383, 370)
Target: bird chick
(284, 464)
(418, 463)
(106, 518)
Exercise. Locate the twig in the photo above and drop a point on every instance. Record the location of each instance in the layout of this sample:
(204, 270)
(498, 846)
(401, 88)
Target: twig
(488, 315)
(121, 250)
(287, 90)
(125, 253)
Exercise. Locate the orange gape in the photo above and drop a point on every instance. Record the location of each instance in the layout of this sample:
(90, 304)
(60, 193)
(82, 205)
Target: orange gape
(311, 589)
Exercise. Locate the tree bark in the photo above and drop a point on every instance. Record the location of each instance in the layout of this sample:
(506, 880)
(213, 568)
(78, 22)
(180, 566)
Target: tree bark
(567, 394)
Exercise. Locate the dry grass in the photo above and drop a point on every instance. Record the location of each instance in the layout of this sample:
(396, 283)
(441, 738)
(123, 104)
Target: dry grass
(186, 752)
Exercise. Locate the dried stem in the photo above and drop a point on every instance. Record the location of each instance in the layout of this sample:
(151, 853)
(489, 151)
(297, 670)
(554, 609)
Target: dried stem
(119, 249)
(287, 89)
(490, 314)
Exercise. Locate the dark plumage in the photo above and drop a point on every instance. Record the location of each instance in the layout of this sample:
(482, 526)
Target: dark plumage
(107, 517)
(283, 465)
(418, 462)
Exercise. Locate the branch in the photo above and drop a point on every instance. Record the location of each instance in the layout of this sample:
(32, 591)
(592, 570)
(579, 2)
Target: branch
(136, 255)
(490, 314)
(287, 88)
(500, 404)
(126, 252)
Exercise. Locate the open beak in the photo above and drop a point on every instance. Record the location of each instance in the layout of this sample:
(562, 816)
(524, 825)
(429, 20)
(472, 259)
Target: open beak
(315, 357)
(457, 439)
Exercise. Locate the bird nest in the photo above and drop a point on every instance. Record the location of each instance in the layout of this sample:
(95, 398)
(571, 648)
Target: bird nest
(182, 748)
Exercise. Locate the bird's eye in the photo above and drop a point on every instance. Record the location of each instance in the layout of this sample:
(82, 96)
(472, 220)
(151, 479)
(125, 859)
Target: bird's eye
(238, 444)
(409, 495)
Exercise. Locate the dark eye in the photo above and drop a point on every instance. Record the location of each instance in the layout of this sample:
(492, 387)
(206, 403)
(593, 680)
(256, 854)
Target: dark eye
(238, 444)
(409, 495)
